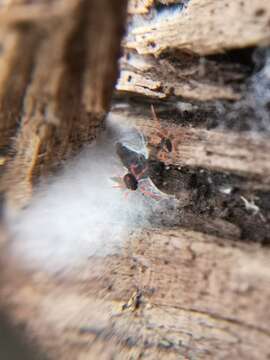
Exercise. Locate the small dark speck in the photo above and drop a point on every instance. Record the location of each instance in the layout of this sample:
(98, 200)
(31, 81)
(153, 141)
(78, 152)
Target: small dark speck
(260, 12)
(166, 344)
(129, 78)
(152, 44)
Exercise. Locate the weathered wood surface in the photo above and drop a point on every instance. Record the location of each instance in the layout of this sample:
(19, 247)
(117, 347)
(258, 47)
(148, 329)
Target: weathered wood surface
(173, 293)
(14, 76)
(176, 294)
(14, 13)
(242, 154)
(139, 6)
(66, 80)
(142, 7)
(162, 62)
(189, 78)
(216, 26)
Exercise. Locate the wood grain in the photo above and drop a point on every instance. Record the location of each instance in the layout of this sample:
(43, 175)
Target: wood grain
(60, 110)
(14, 13)
(15, 75)
(216, 26)
(189, 78)
(173, 293)
(241, 154)
(170, 293)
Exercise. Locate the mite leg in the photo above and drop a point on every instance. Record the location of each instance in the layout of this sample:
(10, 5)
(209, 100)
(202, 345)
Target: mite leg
(149, 193)
(140, 174)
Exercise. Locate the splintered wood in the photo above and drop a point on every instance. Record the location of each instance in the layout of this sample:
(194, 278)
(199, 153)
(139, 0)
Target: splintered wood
(216, 27)
(240, 154)
(159, 79)
(208, 34)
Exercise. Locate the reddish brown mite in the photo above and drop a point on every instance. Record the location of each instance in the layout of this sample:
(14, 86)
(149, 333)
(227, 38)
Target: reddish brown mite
(137, 177)
(165, 142)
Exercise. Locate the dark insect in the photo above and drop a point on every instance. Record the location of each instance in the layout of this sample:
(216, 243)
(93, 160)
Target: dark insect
(137, 177)
(130, 181)
(135, 162)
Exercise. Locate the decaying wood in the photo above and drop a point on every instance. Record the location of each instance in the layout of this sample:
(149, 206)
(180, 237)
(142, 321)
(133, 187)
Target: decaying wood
(68, 93)
(179, 293)
(143, 7)
(15, 71)
(17, 14)
(216, 26)
(140, 6)
(220, 178)
(174, 293)
(189, 77)
(242, 154)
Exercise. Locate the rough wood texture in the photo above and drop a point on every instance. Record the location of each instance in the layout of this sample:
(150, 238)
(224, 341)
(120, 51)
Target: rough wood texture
(139, 6)
(187, 77)
(162, 62)
(143, 7)
(216, 26)
(15, 71)
(175, 293)
(69, 90)
(241, 154)
(17, 13)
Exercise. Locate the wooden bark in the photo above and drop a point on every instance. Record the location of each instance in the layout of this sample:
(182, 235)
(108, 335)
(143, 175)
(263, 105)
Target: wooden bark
(209, 33)
(60, 111)
(15, 74)
(216, 27)
(140, 6)
(16, 13)
(189, 78)
(173, 293)
(240, 154)
(198, 289)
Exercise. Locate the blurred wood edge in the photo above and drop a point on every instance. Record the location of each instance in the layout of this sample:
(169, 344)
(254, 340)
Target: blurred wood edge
(174, 293)
(64, 82)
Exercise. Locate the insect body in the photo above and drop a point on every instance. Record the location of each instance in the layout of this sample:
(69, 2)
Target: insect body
(130, 181)
(134, 161)
(136, 165)
(137, 177)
